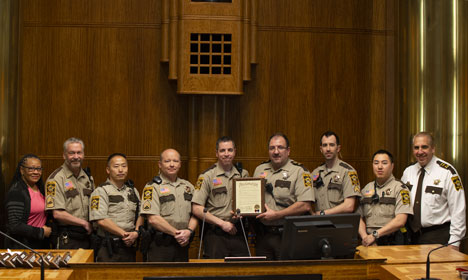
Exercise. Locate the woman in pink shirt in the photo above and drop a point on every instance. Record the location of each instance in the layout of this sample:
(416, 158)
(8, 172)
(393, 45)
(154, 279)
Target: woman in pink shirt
(25, 206)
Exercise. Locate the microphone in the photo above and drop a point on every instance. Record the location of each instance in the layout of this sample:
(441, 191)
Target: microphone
(202, 231)
(27, 247)
(243, 231)
(428, 261)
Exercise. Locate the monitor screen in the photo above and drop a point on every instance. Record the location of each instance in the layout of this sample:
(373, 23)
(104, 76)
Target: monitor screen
(320, 236)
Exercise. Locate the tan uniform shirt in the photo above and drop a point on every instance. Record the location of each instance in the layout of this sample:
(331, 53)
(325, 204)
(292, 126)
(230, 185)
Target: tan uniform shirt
(339, 182)
(67, 192)
(170, 200)
(394, 199)
(118, 205)
(290, 183)
(214, 190)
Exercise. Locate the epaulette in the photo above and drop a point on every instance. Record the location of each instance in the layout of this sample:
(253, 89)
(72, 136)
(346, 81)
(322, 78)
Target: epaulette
(446, 166)
(104, 184)
(266, 161)
(300, 165)
(402, 184)
(209, 168)
(345, 165)
(55, 172)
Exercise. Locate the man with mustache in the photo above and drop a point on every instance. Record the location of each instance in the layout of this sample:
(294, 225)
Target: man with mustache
(288, 192)
(213, 191)
(336, 183)
(67, 195)
(385, 205)
(167, 203)
(114, 208)
(437, 196)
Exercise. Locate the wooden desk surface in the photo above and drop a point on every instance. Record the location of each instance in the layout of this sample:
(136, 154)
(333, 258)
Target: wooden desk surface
(417, 271)
(405, 254)
(28, 274)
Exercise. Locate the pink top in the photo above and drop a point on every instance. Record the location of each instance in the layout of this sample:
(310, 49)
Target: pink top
(37, 217)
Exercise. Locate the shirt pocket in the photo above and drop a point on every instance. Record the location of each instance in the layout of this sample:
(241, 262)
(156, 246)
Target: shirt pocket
(167, 203)
(433, 196)
(220, 196)
(335, 193)
(73, 199)
(114, 201)
(387, 207)
(282, 192)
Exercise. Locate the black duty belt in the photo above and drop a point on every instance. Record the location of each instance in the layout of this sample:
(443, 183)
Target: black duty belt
(436, 227)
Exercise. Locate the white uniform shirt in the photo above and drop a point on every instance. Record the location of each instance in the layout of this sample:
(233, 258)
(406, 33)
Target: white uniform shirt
(442, 197)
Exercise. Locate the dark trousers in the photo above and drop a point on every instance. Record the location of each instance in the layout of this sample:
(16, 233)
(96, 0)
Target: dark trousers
(72, 243)
(124, 254)
(218, 244)
(268, 244)
(172, 252)
(439, 234)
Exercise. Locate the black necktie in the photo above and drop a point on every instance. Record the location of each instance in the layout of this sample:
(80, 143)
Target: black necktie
(416, 222)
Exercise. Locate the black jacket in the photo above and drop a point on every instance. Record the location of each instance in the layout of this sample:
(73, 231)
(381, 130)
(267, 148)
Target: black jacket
(18, 208)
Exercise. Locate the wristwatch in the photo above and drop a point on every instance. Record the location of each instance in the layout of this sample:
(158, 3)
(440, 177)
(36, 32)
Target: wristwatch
(375, 234)
(322, 212)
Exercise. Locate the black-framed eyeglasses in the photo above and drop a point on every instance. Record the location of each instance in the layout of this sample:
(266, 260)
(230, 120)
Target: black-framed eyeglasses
(31, 169)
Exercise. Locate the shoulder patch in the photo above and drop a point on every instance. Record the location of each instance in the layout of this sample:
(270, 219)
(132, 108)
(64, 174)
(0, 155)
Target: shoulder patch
(50, 188)
(148, 193)
(405, 196)
(345, 165)
(49, 202)
(95, 202)
(354, 178)
(55, 172)
(456, 181)
(209, 168)
(307, 180)
(146, 206)
(199, 183)
(446, 166)
(299, 164)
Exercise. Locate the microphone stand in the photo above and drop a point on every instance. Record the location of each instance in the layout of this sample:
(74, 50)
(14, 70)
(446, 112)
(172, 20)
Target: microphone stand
(428, 261)
(27, 247)
(202, 231)
(243, 231)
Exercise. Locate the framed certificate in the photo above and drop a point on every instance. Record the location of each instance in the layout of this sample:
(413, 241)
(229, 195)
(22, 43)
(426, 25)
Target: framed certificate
(248, 195)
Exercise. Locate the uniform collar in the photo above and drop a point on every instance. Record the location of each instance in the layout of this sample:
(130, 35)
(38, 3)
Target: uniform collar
(390, 179)
(109, 182)
(285, 167)
(430, 166)
(221, 172)
(69, 173)
(165, 180)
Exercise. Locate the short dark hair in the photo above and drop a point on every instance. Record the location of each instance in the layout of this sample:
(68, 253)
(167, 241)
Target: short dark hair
(382, 151)
(279, 134)
(223, 139)
(425, 134)
(115, 155)
(328, 134)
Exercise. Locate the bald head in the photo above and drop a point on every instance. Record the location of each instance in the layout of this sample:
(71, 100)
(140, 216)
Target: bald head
(169, 164)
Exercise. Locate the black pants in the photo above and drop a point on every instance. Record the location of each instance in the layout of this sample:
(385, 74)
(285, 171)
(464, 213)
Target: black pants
(73, 243)
(124, 254)
(218, 245)
(172, 252)
(268, 244)
(439, 234)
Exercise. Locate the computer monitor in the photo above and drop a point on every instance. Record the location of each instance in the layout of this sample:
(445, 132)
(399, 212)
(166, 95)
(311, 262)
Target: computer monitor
(320, 236)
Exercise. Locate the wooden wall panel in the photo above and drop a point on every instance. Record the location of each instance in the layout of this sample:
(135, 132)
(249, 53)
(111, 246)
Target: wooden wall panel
(92, 69)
